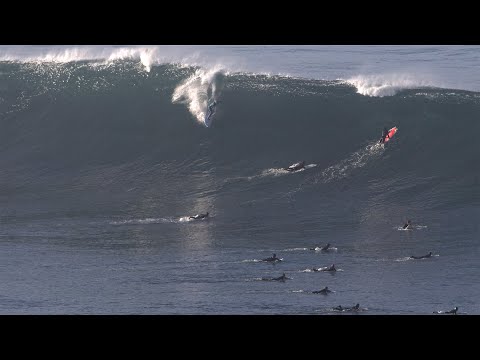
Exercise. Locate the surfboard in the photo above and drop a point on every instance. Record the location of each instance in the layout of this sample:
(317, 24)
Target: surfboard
(391, 132)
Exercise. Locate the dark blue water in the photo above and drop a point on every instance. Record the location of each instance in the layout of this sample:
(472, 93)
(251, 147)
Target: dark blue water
(103, 157)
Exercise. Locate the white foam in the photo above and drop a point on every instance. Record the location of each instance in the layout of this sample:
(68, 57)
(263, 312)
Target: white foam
(356, 160)
(147, 55)
(182, 219)
(386, 84)
(280, 171)
(331, 248)
(417, 227)
(404, 259)
(193, 92)
(142, 221)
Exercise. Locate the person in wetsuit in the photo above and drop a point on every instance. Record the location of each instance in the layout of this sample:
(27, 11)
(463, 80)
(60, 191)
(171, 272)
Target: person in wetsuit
(384, 135)
(296, 167)
(322, 248)
(331, 268)
(273, 258)
(453, 311)
(355, 308)
(280, 278)
(211, 106)
(422, 257)
(199, 216)
(324, 291)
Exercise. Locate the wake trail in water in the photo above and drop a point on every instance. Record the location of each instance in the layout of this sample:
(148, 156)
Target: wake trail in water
(342, 169)
(146, 221)
(335, 172)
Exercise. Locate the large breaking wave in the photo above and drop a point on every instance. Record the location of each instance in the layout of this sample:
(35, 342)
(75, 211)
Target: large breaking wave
(130, 125)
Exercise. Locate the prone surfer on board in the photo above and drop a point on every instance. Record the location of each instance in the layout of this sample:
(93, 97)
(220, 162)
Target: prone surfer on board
(323, 248)
(199, 216)
(453, 311)
(331, 268)
(296, 167)
(422, 257)
(280, 278)
(273, 258)
(384, 136)
(324, 291)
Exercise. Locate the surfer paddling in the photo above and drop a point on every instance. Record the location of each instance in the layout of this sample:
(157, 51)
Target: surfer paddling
(429, 255)
(199, 216)
(296, 167)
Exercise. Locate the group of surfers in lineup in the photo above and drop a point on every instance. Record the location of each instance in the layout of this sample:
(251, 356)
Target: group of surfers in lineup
(325, 290)
(299, 166)
(408, 226)
(274, 258)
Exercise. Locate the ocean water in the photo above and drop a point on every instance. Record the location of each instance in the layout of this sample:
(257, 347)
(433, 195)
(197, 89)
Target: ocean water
(104, 156)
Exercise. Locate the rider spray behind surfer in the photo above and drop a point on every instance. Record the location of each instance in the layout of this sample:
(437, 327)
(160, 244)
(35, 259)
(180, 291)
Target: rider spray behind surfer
(215, 87)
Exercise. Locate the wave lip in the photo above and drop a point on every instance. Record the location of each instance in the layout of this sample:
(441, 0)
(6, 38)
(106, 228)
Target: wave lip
(147, 55)
(386, 84)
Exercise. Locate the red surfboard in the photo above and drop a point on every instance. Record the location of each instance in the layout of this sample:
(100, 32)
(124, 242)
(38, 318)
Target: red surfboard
(391, 132)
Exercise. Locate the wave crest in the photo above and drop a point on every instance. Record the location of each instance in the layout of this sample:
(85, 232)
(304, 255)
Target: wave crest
(386, 85)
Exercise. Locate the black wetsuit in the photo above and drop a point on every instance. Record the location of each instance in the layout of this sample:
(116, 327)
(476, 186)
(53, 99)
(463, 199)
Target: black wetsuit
(331, 268)
(384, 136)
(325, 290)
(273, 258)
(453, 311)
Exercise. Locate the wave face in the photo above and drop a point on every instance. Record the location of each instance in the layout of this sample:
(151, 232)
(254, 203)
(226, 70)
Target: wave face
(72, 122)
(114, 144)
